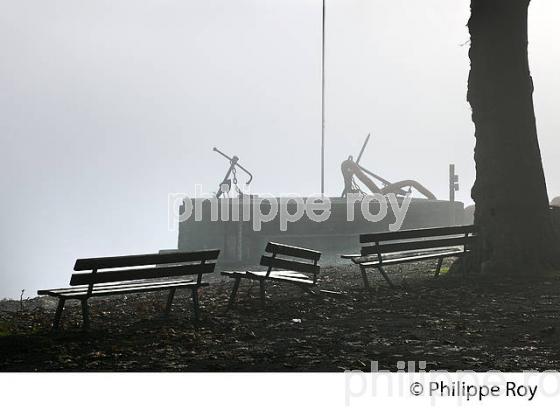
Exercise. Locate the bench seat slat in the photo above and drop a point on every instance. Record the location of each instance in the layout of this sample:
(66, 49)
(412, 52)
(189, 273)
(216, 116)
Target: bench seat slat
(112, 285)
(357, 258)
(291, 274)
(117, 285)
(282, 276)
(403, 254)
(71, 293)
(412, 258)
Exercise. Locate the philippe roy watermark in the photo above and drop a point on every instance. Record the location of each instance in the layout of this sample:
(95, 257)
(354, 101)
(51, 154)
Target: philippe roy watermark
(412, 380)
(284, 209)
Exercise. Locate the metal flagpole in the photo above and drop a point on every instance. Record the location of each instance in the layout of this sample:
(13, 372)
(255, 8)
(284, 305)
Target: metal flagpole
(323, 104)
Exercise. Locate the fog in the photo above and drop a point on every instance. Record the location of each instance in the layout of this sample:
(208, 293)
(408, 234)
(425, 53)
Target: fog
(106, 107)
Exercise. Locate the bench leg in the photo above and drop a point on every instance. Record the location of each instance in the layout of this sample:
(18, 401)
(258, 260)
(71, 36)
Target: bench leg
(382, 271)
(364, 277)
(263, 296)
(233, 293)
(169, 302)
(58, 314)
(438, 268)
(195, 303)
(85, 313)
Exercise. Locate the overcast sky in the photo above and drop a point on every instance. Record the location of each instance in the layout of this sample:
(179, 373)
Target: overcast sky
(106, 106)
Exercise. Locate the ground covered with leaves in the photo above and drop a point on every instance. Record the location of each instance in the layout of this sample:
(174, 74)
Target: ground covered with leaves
(451, 323)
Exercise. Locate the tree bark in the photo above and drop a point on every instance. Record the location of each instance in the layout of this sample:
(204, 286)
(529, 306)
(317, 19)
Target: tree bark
(512, 208)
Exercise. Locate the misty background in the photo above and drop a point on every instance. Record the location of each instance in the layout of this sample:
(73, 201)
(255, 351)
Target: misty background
(107, 106)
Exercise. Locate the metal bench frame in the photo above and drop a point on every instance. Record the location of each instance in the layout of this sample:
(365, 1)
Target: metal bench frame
(394, 248)
(117, 275)
(297, 272)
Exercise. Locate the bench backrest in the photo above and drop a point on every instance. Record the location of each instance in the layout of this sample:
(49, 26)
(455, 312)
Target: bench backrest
(138, 267)
(291, 258)
(417, 239)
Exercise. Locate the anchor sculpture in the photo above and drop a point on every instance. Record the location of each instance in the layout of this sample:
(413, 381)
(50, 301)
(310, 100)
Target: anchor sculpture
(351, 169)
(231, 175)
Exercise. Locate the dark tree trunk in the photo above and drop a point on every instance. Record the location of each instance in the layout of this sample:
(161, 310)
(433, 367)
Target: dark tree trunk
(512, 209)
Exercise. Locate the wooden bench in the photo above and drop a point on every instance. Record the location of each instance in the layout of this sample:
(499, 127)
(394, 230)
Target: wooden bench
(117, 275)
(395, 248)
(296, 272)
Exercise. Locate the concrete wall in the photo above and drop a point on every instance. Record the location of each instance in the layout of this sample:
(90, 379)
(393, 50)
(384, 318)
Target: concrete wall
(240, 242)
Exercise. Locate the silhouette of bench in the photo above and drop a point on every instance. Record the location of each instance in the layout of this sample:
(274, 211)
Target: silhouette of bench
(118, 275)
(395, 248)
(302, 273)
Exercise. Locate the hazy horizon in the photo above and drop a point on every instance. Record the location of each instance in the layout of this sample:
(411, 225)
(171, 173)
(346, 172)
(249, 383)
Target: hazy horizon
(109, 106)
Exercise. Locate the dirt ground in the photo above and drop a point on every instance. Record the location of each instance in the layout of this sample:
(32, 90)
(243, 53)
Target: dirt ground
(449, 322)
